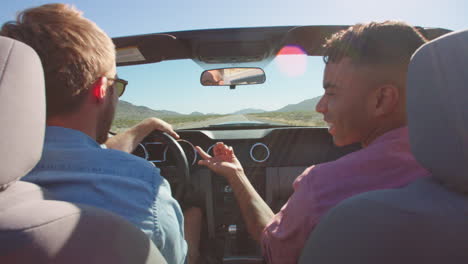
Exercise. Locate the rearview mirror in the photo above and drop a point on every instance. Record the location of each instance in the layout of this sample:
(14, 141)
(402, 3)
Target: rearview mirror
(232, 77)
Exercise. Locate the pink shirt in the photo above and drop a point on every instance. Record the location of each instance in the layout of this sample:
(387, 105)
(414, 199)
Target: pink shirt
(386, 163)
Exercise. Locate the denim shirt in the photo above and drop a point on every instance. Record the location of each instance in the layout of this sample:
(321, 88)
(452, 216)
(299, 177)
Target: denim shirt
(76, 169)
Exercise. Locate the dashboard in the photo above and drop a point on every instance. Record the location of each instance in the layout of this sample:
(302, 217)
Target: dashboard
(272, 159)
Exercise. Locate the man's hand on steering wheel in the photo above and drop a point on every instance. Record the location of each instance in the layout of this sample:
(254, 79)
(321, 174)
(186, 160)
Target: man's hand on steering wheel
(127, 141)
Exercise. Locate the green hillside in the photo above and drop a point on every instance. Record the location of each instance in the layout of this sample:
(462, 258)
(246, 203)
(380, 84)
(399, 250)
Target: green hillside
(300, 114)
(126, 110)
(306, 105)
(248, 111)
(128, 115)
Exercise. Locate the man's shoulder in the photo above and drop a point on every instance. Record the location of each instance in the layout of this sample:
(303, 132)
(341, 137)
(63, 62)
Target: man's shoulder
(369, 161)
(384, 150)
(124, 156)
(342, 164)
(94, 153)
(96, 160)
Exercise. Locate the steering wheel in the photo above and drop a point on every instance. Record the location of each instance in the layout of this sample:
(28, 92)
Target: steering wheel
(182, 173)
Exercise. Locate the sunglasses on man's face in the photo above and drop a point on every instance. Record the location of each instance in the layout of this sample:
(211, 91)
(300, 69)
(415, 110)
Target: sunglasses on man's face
(119, 85)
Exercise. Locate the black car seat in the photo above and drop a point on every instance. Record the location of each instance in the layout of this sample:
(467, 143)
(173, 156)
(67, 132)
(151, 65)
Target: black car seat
(426, 221)
(34, 228)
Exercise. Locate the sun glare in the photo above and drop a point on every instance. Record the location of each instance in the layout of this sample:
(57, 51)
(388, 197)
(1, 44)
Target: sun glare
(292, 61)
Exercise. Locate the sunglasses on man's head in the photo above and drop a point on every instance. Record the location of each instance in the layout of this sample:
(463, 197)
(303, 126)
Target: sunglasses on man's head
(119, 85)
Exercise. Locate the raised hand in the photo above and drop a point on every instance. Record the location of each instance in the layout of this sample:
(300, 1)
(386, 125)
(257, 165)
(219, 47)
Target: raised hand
(223, 162)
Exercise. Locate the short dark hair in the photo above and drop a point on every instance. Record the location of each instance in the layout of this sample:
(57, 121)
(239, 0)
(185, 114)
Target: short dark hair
(388, 42)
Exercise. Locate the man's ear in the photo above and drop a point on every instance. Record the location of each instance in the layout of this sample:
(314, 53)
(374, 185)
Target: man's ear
(99, 88)
(387, 99)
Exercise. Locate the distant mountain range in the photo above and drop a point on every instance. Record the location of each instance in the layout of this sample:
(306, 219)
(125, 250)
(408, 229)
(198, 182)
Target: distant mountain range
(248, 111)
(306, 105)
(126, 110)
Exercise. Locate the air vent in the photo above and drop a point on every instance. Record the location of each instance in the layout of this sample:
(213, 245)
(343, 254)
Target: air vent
(259, 152)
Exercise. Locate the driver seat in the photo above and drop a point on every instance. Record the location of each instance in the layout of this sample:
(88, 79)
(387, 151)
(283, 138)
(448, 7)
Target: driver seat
(35, 228)
(426, 221)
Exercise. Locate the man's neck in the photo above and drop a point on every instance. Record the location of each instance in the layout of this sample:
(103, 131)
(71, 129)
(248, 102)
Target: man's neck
(76, 122)
(381, 130)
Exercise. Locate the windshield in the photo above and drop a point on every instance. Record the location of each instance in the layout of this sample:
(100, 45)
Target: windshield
(171, 90)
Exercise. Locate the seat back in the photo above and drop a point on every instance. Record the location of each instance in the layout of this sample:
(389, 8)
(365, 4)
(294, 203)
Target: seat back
(34, 228)
(426, 221)
(438, 109)
(22, 110)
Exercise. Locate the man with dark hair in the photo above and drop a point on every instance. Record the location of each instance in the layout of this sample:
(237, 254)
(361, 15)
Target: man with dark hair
(364, 102)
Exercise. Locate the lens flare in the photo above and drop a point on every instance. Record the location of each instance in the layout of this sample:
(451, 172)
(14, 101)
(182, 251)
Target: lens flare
(292, 61)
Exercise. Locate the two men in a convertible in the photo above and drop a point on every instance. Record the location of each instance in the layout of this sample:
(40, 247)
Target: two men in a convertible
(364, 102)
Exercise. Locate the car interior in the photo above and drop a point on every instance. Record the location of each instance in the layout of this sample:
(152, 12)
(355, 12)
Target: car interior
(272, 156)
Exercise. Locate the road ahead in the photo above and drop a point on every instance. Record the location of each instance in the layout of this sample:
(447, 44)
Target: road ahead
(220, 120)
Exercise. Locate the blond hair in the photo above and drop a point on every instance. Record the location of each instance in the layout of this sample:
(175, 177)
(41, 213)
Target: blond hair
(74, 52)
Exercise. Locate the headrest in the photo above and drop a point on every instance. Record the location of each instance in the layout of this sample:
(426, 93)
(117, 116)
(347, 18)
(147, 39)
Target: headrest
(437, 105)
(22, 110)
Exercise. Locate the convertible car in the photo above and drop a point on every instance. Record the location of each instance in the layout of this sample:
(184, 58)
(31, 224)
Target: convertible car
(260, 99)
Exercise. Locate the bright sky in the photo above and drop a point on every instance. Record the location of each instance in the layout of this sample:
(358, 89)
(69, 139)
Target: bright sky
(148, 86)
